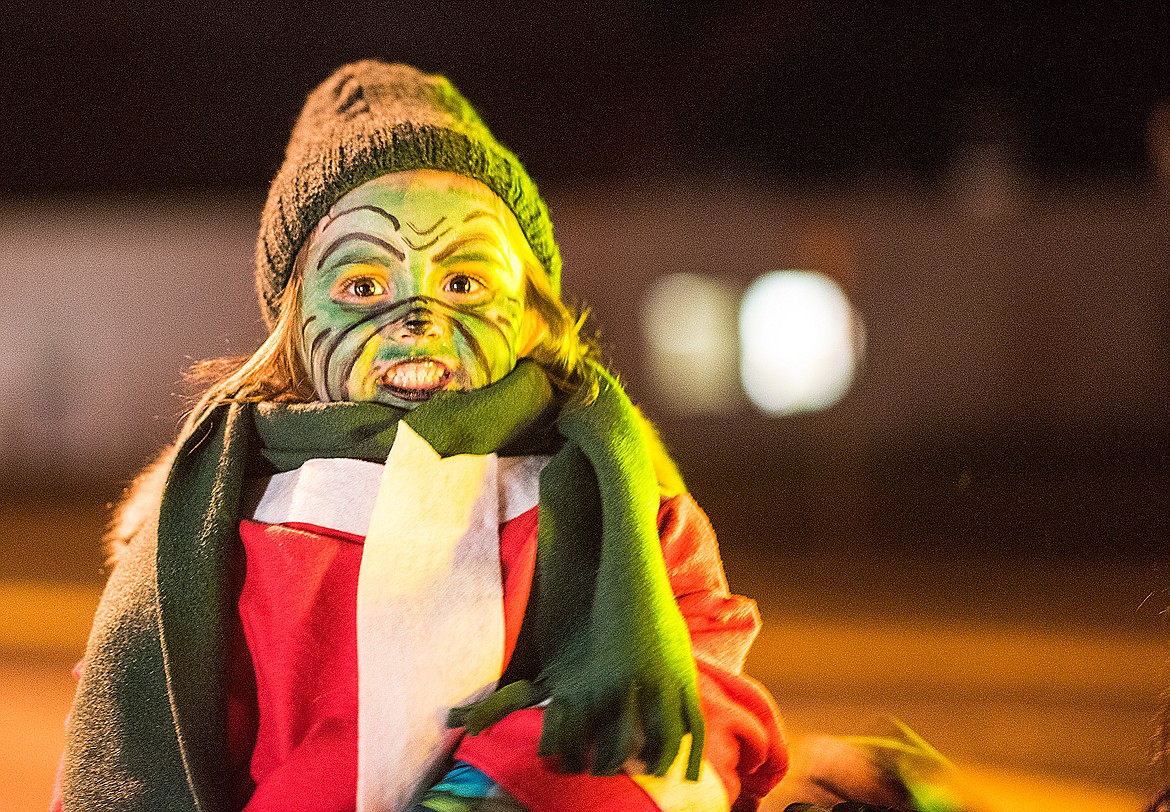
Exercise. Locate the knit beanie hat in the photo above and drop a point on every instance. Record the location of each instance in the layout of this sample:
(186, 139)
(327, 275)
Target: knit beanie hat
(371, 118)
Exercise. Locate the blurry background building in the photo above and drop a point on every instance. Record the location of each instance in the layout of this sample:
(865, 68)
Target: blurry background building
(981, 441)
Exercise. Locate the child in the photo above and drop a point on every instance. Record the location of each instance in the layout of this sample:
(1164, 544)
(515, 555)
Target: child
(413, 552)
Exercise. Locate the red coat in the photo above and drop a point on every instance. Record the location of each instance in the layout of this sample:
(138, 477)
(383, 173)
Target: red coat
(293, 730)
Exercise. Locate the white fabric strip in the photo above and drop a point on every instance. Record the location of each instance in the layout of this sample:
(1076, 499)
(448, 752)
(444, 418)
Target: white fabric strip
(339, 493)
(334, 493)
(430, 620)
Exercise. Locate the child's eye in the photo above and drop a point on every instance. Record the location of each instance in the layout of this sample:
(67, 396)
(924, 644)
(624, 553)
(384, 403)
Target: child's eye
(364, 288)
(359, 288)
(464, 287)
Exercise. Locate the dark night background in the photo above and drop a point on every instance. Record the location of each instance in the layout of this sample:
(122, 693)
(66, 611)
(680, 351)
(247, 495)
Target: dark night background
(113, 96)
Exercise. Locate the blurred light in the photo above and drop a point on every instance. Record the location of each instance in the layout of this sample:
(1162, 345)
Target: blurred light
(799, 339)
(690, 333)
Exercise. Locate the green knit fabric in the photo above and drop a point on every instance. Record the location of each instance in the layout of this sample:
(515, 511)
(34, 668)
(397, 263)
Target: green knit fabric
(371, 118)
(148, 727)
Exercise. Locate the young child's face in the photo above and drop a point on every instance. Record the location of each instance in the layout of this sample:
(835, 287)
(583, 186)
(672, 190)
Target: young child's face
(414, 283)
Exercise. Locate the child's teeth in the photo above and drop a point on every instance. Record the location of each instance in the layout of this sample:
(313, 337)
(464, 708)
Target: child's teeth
(417, 375)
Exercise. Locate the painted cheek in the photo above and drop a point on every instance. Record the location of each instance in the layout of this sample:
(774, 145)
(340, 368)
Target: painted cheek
(500, 356)
(314, 333)
(362, 385)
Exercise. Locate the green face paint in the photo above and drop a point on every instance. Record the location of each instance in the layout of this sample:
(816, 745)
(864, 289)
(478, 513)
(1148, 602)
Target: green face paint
(413, 284)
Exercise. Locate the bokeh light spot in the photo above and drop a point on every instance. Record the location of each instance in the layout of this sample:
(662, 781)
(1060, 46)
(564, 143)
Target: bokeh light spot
(689, 322)
(799, 342)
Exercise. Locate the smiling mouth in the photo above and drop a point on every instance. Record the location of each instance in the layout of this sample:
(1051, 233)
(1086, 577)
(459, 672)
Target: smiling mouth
(415, 379)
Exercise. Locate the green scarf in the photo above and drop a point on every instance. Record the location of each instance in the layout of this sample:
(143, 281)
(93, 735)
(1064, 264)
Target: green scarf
(148, 726)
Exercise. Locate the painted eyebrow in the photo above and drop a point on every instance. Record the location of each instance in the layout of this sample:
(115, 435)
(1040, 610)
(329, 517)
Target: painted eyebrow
(359, 237)
(475, 215)
(375, 209)
(461, 243)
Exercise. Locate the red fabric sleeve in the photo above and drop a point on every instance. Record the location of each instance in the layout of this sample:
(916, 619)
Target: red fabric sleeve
(57, 801)
(58, 786)
(744, 742)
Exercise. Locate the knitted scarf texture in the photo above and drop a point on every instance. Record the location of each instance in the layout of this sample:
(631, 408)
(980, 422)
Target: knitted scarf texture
(148, 728)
